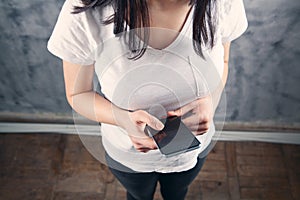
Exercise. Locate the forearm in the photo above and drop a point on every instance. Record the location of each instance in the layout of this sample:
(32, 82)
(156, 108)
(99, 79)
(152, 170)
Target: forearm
(94, 107)
(226, 61)
(225, 75)
(217, 93)
(83, 99)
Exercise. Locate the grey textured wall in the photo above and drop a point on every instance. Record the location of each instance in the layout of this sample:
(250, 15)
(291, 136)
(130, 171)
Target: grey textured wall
(264, 73)
(264, 69)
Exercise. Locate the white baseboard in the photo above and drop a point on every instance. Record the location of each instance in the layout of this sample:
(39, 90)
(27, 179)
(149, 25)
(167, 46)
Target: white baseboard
(274, 137)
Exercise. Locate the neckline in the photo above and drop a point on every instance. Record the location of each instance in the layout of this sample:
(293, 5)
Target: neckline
(180, 35)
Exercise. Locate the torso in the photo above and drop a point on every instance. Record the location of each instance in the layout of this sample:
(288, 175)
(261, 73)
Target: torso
(150, 81)
(169, 77)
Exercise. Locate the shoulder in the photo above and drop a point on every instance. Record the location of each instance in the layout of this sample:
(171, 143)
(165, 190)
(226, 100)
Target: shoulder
(230, 7)
(232, 19)
(93, 16)
(76, 36)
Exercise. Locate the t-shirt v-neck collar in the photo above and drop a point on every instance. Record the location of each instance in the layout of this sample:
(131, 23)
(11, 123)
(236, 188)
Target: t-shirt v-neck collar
(182, 33)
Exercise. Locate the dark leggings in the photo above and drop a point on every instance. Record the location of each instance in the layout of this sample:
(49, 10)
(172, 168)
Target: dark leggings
(141, 186)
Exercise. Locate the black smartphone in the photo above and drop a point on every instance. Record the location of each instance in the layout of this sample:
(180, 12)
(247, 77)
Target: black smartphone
(175, 138)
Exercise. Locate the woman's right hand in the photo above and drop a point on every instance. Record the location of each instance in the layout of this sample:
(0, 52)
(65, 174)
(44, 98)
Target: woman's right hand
(134, 124)
(79, 91)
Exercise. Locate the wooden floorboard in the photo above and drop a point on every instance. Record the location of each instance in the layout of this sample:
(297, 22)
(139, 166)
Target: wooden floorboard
(54, 166)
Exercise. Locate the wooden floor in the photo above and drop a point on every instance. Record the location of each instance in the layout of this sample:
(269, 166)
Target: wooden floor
(56, 166)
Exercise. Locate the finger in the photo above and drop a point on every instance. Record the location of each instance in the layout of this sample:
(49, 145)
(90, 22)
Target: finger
(172, 113)
(144, 150)
(151, 121)
(143, 142)
(138, 134)
(199, 132)
(149, 143)
(183, 110)
(199, 127)
(195, 120)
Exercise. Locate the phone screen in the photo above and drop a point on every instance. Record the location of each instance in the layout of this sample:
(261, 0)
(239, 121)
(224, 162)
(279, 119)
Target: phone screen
(175, 138)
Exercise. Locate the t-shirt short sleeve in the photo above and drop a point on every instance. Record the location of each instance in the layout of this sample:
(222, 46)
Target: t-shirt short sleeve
(233, 19)
(73, 37)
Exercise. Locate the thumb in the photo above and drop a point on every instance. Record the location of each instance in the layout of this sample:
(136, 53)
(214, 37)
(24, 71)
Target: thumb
(152, 121)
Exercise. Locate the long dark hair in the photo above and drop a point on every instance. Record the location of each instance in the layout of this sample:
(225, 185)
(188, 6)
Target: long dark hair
(137, 10)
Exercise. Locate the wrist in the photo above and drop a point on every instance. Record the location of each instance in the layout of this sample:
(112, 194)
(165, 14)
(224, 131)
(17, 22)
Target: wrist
(119, 115)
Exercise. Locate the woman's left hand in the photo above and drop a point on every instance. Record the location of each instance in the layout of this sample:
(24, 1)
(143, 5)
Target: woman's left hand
(197, 115)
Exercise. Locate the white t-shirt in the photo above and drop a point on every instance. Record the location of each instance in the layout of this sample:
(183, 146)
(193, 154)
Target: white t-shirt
(160, 80)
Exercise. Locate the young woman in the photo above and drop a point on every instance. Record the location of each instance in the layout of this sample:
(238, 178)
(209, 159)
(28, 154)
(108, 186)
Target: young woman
(145, 54)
